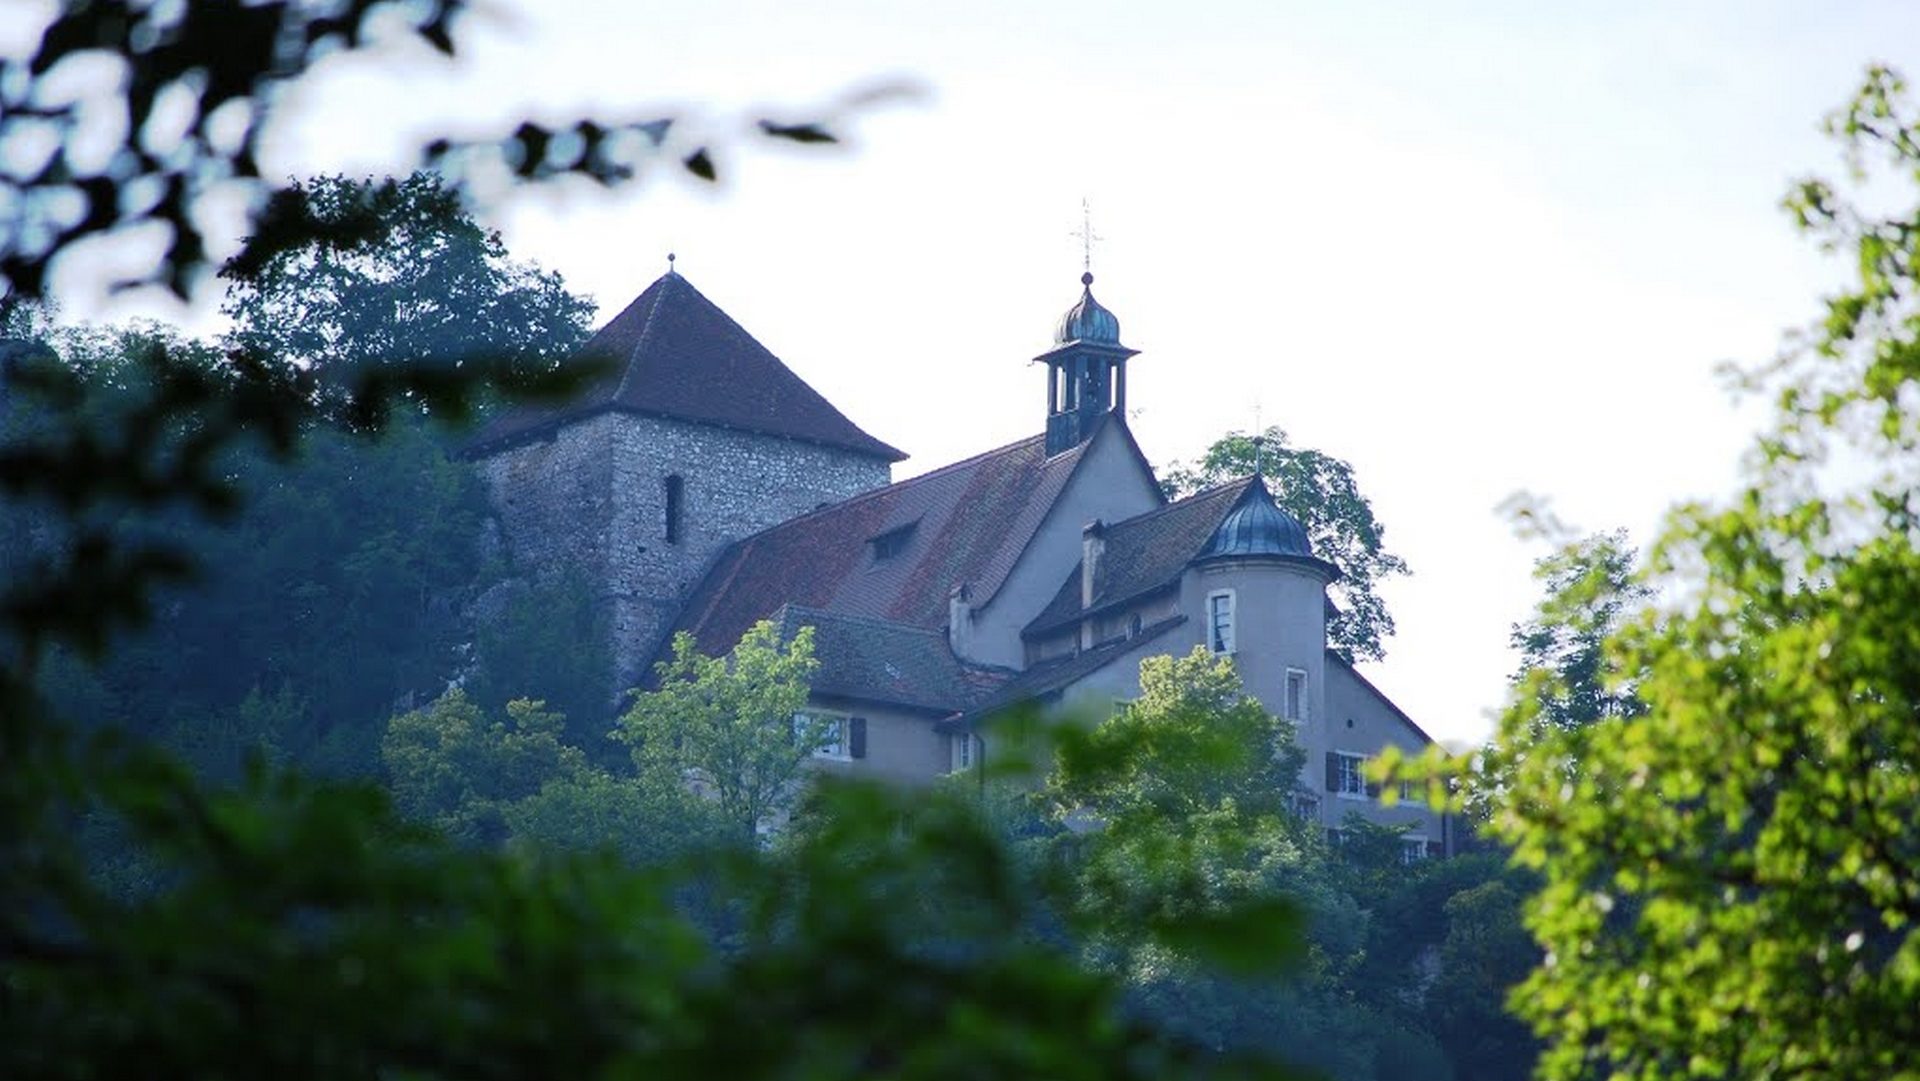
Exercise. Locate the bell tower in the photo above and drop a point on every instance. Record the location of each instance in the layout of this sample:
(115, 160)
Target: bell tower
(1086, 371)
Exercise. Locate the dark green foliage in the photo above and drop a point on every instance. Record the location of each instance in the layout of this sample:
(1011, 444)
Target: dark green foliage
(340, 584)
(548, 639)
(416, 283)
(155, 924)
(1319, 490)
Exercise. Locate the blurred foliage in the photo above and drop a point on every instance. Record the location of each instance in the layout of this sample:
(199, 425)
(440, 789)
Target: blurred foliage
(157, 919)
(1729, 877)
(1319, 490)
(196, 85)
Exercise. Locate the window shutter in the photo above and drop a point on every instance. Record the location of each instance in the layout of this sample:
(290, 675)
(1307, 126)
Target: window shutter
(1333, 772)
(857, 737)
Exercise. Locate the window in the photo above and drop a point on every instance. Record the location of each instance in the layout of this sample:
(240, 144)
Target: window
(1413, 792)
(1220, 621)
(960, 751)
(1413, 849)
(1306, 806)
(1296, 696)
(1344, 778)
(838, 738)
(676, 500)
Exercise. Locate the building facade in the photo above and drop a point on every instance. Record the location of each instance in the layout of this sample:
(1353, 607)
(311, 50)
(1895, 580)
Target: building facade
(702, 486)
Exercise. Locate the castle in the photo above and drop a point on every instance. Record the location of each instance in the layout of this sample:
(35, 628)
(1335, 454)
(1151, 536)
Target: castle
(702, 486)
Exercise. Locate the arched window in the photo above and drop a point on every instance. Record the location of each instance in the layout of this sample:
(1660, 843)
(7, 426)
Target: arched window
(676, 505)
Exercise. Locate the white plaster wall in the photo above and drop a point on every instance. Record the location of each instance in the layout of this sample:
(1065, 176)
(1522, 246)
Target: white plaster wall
(1359, 721)
(1279, 623)
(1111, 484)
(902, 746)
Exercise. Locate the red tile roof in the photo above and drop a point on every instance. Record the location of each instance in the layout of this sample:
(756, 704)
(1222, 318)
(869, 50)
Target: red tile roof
(674, 353)
(1144, 553)
(971, 520)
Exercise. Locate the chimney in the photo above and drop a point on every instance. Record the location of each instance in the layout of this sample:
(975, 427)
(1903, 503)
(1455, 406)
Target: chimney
(1093, 557)
(960, 621)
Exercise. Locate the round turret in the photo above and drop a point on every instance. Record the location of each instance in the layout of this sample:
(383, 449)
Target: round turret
(1087, 321)
(1258, 527)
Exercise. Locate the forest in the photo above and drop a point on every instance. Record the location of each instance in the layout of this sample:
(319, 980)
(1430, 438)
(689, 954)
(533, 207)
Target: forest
(301, 778)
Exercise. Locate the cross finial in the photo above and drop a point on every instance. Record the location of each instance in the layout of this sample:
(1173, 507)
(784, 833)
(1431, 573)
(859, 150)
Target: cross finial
(1086, 236)
(1259, 443)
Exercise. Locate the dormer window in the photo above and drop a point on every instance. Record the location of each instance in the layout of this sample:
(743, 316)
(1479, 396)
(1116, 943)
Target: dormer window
(891, 543)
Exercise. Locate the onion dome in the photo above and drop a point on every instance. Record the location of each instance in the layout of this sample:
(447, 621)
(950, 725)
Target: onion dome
(1087, 321)
(1258, 527)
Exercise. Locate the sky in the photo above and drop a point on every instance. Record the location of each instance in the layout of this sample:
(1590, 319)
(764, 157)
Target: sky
(1474, 248)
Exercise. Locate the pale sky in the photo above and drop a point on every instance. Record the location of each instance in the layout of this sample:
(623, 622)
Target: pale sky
(1471, 247)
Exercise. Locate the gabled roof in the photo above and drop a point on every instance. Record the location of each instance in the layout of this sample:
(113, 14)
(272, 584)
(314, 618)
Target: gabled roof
(674, 353)
(972, 520)
(875, 660)
(1145, 553)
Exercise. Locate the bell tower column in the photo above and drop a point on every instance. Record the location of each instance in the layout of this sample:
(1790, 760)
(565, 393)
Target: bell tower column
(1086, 371)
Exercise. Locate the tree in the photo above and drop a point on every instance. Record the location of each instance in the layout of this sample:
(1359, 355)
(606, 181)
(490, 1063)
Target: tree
(733, 726)
(455, 767)
(427, 288)
(343, 576)
(1185, 792)
(1319, 490)
(1590, 592)
(1732, 878)
(547, 639)
(492, 779)
(299, 930)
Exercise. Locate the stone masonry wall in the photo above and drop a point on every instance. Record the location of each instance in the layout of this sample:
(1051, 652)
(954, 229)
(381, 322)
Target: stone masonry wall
(593, 497)
(735, 484)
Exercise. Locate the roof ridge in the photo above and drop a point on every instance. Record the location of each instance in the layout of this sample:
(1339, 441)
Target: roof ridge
(646, 331)
(894, 486)
(1183, 501)
(871, 621)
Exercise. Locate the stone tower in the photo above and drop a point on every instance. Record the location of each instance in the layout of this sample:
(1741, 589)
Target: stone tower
(695, 437)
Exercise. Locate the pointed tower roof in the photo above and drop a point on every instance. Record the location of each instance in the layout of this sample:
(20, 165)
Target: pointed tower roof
(674, 353)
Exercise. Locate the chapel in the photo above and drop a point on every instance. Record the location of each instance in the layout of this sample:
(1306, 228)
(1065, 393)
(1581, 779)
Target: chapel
(702, 486)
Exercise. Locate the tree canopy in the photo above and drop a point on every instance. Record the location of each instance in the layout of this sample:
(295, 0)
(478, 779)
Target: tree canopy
(426, 287)
(733, 726)
(1731, 876)
(1320, 491)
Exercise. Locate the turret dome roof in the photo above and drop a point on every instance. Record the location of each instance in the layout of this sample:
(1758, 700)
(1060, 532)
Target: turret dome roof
(1088, 321)
(1258, 527)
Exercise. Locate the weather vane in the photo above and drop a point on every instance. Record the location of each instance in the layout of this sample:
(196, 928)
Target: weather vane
(1086, 236)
